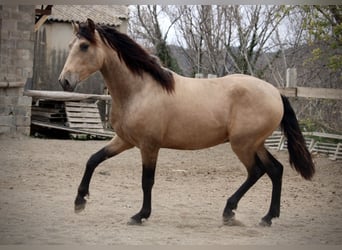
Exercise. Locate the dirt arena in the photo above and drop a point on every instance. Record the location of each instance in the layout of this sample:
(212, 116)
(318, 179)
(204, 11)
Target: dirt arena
(39, 179)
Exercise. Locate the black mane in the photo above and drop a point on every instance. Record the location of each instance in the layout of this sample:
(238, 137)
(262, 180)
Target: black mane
(137, 59)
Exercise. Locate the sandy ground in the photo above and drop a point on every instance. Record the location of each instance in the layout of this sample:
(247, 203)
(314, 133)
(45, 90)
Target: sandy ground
(39, 179)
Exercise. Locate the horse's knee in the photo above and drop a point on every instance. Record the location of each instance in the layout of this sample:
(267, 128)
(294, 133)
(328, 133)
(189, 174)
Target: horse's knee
(275, 171)
(97, 158)
(271, 165)
(115, 147)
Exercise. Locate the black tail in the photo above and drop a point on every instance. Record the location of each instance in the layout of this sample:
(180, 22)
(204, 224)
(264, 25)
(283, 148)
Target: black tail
(300, 157)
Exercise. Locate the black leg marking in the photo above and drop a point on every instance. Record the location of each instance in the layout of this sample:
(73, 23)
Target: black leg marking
(147, 184)
(275, 171)
(83, 189)
(232, 203)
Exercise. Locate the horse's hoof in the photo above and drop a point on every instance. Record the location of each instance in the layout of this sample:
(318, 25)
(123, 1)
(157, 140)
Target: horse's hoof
(80, 204)
(134, 222)
(232, 222)
(227, 215)
(229, 220)
(79, 208)
(265, 223)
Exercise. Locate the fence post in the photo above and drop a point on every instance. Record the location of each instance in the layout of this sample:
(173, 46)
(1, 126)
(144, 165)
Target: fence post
(291, 78)
(211, 76)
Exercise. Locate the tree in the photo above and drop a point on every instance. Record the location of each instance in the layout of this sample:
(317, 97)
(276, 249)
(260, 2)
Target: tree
(255, 26)
(189, 35)
(145, 24)
(230, 38)
(323, 25)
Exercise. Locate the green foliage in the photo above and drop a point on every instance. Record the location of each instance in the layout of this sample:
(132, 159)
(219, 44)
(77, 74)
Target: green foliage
(165, 56)
(309, 125)
(335, 63)
(324, 25)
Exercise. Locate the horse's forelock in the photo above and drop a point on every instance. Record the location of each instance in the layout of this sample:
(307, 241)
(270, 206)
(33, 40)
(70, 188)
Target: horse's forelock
(85, 32)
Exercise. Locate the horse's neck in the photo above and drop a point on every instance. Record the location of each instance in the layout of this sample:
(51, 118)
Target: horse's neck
(121, 82)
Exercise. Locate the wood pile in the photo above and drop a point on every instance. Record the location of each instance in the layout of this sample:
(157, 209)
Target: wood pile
(85, 116)
(62, 118)
(49, 111)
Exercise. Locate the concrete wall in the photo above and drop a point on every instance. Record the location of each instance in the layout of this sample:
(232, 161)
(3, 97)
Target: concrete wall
(16, 67)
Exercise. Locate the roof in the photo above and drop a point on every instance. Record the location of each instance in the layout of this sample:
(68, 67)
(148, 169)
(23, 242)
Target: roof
(100, 14)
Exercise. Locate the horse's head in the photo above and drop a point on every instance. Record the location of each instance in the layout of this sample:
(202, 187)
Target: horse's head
(85, 56)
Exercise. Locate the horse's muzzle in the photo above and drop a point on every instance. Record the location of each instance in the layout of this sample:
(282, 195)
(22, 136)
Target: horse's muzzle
(66, 85)
(68, 81)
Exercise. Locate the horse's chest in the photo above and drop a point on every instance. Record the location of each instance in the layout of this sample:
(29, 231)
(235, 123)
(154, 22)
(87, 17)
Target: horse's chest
(131, 130)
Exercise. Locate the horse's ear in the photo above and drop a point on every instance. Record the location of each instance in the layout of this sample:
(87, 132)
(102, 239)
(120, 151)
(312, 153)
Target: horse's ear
(91, 25)
(75, 27)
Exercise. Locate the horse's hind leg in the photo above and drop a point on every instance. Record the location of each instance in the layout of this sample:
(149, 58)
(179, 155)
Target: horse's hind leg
(255, 171)
(274, 170)
(262, 163)
(114, 147)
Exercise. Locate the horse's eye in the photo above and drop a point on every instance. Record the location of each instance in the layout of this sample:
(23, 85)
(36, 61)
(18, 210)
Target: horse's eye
(84, 46)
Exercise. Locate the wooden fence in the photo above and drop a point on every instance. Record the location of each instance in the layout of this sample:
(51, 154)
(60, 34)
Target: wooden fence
(323, 93)
(316, 142)
(292, 90)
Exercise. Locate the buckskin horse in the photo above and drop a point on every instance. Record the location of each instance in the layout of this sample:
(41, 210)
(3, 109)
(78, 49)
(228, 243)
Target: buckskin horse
(153, 108)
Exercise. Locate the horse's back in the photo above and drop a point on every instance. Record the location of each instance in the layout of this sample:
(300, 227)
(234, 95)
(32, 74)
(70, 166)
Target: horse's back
(246, 84)
(238, 91)
(206, 112)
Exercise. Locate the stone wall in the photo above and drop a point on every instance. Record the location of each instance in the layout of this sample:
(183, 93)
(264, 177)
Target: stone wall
(16, 67)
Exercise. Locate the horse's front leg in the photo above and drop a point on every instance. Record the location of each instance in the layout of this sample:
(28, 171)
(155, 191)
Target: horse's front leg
(114, 147)
(149, 159)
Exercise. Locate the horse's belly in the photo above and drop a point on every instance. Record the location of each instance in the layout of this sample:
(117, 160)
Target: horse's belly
(195, 136)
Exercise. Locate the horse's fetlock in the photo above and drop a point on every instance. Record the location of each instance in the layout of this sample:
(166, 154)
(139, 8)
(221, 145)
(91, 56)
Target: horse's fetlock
(82, 191)
(276, 213)
(145, 214)
(232, 204)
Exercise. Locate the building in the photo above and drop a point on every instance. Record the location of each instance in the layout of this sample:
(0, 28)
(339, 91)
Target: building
(35, 59)
(54, 36)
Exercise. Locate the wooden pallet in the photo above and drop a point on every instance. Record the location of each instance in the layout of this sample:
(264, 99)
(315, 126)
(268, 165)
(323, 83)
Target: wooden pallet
(48, 111)
(85, 116)
(74, 117)
(108, 134)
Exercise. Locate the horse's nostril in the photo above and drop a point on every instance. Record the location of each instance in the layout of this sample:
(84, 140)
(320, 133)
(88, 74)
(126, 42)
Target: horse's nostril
(65, 85)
